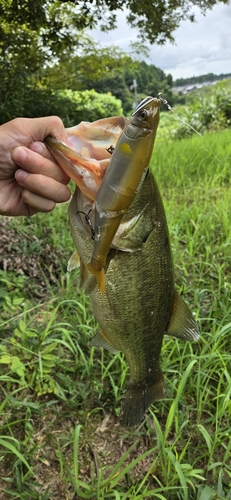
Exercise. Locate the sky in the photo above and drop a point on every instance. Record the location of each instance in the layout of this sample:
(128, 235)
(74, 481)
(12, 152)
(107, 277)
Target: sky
(200, 48)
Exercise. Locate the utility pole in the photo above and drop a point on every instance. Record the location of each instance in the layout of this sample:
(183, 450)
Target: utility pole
(134, 87)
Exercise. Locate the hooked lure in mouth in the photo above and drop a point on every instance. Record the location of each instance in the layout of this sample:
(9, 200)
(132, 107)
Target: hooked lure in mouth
(126, 169)
(139, 304)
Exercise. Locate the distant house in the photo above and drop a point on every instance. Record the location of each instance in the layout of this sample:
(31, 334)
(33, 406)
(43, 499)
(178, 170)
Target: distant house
(186, 89)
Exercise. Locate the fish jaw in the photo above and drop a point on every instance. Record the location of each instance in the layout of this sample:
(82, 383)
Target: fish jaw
(87, 173)
(87, 158)
(99, 137)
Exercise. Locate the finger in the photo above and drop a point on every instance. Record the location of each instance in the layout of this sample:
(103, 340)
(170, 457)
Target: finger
(41, 149)
(36, 203)
(43, 186)
(55, 128)
(40, 128)
(37, 164)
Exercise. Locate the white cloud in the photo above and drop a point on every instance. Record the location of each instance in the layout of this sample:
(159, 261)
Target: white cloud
(200, 48)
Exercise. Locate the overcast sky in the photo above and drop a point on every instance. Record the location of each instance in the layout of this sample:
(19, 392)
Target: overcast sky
(200, 48)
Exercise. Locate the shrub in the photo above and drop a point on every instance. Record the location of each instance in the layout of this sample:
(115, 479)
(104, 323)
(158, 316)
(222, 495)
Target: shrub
(71, 106)
(208, 110)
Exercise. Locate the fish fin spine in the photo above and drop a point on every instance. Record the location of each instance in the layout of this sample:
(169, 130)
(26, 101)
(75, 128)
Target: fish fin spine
(182, 323)
(100, 340)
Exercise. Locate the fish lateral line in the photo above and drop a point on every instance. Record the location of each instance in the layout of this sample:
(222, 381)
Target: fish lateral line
(166, 103)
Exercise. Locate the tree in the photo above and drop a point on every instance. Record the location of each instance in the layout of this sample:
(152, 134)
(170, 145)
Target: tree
(43, 47)
(58, 22)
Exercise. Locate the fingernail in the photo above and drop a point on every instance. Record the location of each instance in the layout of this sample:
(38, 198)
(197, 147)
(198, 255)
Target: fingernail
(20, 175)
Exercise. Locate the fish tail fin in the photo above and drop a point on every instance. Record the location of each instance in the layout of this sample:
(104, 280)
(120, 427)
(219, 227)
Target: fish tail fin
(100, 277)
(138, 398)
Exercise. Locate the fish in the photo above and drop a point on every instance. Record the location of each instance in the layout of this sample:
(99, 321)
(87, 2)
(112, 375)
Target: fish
(129, 162)
(140, 303)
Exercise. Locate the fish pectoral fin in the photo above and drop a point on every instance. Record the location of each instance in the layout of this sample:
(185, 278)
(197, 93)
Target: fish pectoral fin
(182, 323)
(100, 277)
(74, 261)
(100, 340)
(127, 245)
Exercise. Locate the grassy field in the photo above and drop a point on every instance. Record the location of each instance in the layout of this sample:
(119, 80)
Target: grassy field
(59, 399)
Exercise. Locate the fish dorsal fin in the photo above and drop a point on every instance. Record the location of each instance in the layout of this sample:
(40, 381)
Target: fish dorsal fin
(74, 261)
(100, 340)
(182, 323)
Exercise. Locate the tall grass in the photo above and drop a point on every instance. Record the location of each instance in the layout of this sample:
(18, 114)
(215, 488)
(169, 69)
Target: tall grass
(60, 400)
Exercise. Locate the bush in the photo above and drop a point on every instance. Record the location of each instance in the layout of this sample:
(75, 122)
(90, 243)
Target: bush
(71, 106)
(88, 105)
(207, 110)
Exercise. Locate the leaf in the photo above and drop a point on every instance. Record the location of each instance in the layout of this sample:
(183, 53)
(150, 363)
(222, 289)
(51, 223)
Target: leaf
(5, 359)
(207, 493)
(206, 436)
(9, 446)
(18, 367)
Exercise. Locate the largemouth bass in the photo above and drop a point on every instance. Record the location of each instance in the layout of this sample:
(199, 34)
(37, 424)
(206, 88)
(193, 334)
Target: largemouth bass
(140, 303)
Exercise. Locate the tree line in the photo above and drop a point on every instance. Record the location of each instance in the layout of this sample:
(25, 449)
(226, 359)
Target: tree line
(209, 77)
(44, 50)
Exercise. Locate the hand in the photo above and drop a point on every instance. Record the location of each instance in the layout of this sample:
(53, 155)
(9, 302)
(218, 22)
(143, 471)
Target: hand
(40, 183)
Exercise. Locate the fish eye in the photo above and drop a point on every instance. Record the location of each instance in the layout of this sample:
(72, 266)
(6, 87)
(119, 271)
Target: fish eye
(143, 114)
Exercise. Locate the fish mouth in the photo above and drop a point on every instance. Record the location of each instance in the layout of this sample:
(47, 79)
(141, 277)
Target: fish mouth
(86, 158)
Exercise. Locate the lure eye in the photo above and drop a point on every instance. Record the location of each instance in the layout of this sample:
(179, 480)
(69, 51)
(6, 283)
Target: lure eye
(143, 114)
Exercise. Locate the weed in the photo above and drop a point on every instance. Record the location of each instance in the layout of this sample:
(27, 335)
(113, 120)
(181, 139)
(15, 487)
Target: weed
(59, 399)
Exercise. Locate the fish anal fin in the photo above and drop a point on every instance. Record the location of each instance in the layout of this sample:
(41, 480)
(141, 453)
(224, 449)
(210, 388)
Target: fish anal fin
(138, 398)
(100, 340)
(100, 277)
(182, 323)
(74, 261)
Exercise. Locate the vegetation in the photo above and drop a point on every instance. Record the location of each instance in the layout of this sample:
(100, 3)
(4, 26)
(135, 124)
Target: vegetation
(57, 22)
(60, 400)
(149, 81)
(208, 109)
(44, 49)
(40, 68)
(209, 77)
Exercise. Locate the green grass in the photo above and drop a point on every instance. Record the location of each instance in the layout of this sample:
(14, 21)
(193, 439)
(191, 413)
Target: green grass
(59, 399)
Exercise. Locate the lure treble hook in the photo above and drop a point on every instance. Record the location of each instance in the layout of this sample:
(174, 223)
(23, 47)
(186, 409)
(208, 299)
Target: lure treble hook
(88, 221)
